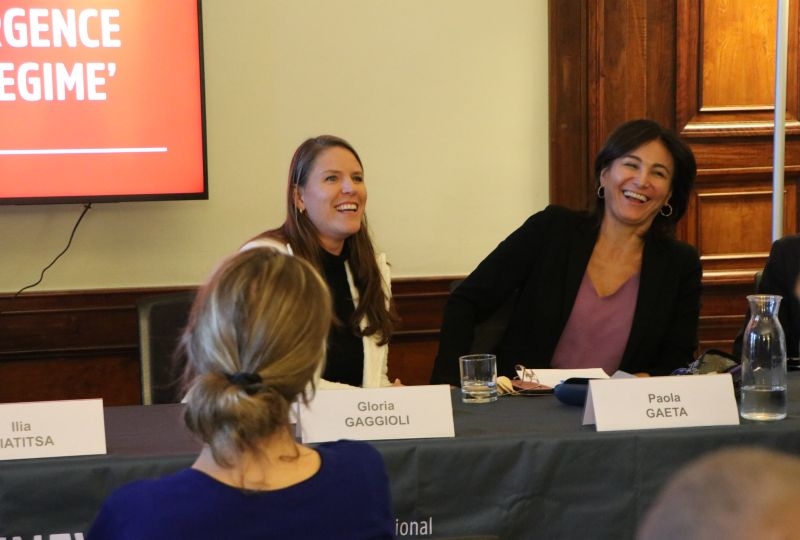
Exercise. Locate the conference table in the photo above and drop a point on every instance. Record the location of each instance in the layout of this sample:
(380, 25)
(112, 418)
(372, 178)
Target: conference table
(518, 468)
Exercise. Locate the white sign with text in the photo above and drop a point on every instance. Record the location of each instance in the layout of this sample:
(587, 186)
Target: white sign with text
(394, 412)
(52, 429)
(661, 402)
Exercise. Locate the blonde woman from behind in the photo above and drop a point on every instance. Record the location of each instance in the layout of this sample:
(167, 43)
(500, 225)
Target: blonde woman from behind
(255, 338)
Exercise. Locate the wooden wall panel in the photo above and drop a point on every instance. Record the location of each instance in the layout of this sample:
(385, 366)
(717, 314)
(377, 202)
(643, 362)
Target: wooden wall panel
(725, 56)
(107, 374)
(740, 155)
(726, 71)
(737, 38)
(84, 344)
(570, 153)
(740, 211)
(420, 303)
(69, 345)
(411, 358)
(730, 226)
(722, 314)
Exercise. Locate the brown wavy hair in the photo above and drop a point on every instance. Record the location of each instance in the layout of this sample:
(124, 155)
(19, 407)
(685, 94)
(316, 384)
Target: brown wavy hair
(302, 235)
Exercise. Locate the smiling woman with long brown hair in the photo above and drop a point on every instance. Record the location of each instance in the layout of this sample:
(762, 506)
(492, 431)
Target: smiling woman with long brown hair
(326, 224)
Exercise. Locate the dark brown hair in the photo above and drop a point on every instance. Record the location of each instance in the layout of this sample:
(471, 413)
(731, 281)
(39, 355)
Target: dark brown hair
(633, 134)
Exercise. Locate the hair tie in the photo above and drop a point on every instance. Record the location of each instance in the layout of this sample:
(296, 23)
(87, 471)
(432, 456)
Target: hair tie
(246, 381)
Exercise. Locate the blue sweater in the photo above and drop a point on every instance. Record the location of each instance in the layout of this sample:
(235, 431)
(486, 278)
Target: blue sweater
(347, 498)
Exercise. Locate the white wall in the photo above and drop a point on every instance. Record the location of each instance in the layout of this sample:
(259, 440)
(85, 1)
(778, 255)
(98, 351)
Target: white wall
(445, 100)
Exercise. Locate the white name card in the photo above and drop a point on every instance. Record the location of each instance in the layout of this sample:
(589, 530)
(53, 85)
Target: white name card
(661, 402)
(394, 412)
(52, 429)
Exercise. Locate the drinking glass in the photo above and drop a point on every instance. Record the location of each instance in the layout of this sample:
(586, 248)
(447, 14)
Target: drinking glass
(478, 378)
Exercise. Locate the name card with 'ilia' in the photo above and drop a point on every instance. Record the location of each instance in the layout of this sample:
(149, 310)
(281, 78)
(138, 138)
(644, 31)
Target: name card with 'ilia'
(52, 429)
(405, 412)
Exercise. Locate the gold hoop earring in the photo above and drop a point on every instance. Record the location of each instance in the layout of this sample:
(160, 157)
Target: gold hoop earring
(668, 212)
(601, 192)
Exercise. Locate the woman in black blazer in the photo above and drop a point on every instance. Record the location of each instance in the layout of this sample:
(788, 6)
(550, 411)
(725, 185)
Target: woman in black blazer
(611, 288)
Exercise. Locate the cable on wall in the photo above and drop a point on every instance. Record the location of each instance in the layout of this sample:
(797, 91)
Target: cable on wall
(86, 208)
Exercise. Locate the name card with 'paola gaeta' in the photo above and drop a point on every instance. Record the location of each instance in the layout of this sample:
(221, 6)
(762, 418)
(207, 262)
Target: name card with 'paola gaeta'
(393, 412)
(661, 402)
(42, 429)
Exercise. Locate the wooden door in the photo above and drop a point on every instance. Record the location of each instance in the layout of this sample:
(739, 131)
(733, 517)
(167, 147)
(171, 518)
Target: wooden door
(705, 68)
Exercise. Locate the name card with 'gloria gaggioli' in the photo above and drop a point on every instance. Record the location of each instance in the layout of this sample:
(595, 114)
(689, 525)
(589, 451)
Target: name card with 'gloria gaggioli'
(42, 429)
(394, 412)
(661, 402)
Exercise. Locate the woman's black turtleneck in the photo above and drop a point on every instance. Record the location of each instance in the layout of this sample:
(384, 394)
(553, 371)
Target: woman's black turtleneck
(345, 358)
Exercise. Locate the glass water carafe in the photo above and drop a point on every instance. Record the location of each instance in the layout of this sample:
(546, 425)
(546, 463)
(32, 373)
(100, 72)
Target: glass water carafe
(763, 389)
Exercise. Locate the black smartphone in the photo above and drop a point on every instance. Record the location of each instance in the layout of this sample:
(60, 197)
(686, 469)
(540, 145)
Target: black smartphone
(577, 380)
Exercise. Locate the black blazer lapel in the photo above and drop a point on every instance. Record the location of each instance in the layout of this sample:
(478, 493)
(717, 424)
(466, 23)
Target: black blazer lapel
(580, 253)
(653, 278)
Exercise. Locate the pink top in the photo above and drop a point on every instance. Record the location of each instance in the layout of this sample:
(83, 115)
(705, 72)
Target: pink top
(598, 328)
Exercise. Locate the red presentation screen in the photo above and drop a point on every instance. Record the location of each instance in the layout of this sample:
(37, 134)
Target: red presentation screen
(101, 100)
